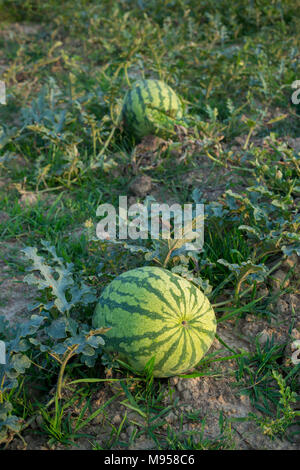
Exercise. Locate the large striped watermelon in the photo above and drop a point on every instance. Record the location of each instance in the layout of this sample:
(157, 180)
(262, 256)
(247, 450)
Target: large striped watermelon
(151, 107)
(153, 312)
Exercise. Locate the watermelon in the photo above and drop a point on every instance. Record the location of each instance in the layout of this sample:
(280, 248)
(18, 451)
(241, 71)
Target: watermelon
(151, 107)
(154, 313)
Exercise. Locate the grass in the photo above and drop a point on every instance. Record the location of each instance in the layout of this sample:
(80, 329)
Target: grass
(63, 152)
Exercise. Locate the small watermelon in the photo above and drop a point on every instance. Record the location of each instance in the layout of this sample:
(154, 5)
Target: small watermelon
(155, 313)
(151, 107)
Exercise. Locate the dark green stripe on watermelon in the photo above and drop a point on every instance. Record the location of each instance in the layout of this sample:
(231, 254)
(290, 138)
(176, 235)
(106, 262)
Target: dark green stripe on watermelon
(159, 94)
(145, 86)
(170, 101)
(140, 284)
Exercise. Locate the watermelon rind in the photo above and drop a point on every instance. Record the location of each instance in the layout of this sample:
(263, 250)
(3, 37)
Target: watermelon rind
(151, 107)
(153, 313)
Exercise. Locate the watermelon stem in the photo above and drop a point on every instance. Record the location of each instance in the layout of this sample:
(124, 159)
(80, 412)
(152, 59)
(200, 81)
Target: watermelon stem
(67, 356)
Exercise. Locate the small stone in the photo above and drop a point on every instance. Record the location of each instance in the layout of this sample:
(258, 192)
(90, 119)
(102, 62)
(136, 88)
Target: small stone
(282, 306)
(295, 334)
(180, 386)
(117, 419)
(186, 395)
(293, 301)
(279, 280)
(39, 420)
(176, 152)
(28, 199)
(171, 418)
(141, 186)
(152, 143)
(245, 400)
(142, 444)
(263, 292)
(290, 262)
(240, 139)
(295, 346)
(130, 430)
(205, 387)
(263, 337)
(174, 380)
(189, 409)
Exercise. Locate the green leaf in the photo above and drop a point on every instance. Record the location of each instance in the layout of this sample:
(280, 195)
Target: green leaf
(59, 278)
(20, 362)
(57, 329)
